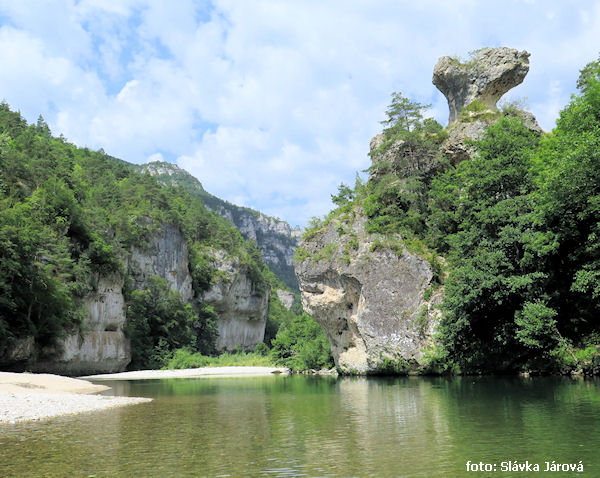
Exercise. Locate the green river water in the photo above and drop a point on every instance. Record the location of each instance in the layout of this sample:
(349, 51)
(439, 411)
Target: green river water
(319, 426)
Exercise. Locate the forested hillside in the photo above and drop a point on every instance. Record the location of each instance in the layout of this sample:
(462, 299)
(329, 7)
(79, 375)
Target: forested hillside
(70, 216)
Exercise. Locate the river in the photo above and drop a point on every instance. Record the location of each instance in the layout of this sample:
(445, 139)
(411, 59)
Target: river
(319, 426)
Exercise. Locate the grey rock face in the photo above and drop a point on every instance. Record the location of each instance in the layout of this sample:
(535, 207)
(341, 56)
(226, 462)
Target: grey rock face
(286, 298)
(276, 239)
(370, 302)
(166, 256)
(242, 309)
(241, 306)
(100, 345)
(273, 237)
(487, 76)
(530, 121)
(19, 351)
(400, 158)
(458, 146)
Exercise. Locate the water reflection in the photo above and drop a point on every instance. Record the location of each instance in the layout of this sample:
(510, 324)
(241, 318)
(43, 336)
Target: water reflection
(316, 426)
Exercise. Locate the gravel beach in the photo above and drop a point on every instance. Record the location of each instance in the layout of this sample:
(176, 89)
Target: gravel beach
(28, 396)
(192, 373)
(23, 406)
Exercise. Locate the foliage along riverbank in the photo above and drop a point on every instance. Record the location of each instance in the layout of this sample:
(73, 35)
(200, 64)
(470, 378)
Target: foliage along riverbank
(299, 345)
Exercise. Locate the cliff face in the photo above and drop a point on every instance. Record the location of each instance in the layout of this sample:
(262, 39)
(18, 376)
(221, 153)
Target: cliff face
(165, 255)
(369, 300)
(241, 306)
(275, 239)
(99, 345)
(489, 74)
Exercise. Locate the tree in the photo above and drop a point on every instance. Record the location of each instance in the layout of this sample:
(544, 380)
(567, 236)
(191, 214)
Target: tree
(403, 164)
(42, 127)
(403, 114)
(588, 75)
(345, 195)
(301, 345)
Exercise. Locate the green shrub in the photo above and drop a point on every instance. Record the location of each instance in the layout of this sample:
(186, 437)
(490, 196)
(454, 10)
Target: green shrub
(159, 322)
(302, 346)
(393, 366)
(261, 349)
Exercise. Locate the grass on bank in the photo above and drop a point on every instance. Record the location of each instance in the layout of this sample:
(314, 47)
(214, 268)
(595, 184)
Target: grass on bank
(183, 358)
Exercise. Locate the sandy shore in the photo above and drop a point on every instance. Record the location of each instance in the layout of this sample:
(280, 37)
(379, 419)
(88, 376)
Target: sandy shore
(191, 373)
(28, 396)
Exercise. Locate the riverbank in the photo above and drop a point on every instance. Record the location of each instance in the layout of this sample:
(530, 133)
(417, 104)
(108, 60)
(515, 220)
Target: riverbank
(29, 396)
(232, 371)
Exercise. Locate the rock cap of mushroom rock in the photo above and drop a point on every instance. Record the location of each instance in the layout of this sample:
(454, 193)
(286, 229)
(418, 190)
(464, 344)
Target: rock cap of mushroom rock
(489, 74)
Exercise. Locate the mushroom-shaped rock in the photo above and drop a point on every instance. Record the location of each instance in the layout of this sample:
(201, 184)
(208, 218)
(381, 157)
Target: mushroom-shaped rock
(489, 74)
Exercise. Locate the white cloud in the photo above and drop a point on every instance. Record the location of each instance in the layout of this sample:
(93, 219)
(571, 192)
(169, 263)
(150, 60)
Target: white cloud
(155, 157)
(268, 103)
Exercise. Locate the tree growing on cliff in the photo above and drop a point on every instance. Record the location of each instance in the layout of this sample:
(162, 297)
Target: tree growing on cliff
(403, 114)
(396, 197)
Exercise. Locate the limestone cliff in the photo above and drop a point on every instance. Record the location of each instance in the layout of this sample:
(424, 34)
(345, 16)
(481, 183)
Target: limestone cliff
(275, 238)
(241, 306)
(286, 297)
(98, 345)
(240, 302)
(165, 255)
(374, 298)
(368, 296)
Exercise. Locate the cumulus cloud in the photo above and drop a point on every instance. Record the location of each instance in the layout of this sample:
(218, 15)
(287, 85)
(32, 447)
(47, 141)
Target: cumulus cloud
(270, 104)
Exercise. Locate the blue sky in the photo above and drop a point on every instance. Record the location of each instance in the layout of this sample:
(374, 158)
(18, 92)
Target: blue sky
(270, 104)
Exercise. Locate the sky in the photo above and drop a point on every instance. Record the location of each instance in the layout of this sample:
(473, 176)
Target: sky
(271, 104)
